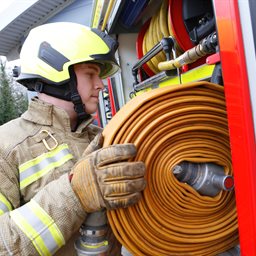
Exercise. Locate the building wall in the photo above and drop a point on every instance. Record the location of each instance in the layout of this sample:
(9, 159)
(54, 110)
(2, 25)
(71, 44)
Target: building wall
(79, 12)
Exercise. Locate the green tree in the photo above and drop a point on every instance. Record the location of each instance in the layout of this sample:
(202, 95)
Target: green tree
(13, 100)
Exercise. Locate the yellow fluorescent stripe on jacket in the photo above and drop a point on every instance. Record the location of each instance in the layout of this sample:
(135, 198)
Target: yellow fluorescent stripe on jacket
(5, 206)
(41, 165)
(39, 227)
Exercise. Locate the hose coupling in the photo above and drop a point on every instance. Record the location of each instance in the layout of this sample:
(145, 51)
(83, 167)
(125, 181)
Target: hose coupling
(207, 178)
(235, 251)
(92, 240)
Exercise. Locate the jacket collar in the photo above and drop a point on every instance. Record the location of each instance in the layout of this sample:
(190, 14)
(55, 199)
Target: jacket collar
(46, 114)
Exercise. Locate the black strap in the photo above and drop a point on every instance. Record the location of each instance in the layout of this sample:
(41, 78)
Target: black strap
(58, 91)
(67, 91)
(79, 106)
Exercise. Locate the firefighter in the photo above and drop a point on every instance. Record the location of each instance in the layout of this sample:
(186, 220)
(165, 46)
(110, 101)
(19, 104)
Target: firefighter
(53, 169)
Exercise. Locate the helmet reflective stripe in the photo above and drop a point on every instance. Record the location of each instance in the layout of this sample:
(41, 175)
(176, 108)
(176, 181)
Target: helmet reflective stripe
(43, 164)
(39, 227)
(52, 57)
(5, 206)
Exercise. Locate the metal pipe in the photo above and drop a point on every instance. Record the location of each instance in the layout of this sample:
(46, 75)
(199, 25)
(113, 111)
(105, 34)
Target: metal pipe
(107, 14)
(166, 44)
(149, 55)
(150, 81)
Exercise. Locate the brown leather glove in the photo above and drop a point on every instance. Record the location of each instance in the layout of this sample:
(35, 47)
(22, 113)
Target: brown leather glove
(105, 178)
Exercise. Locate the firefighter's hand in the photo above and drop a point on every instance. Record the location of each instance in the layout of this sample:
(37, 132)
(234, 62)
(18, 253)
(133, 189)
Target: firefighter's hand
(106, 179)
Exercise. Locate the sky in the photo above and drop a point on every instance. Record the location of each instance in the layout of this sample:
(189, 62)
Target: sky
(5, 3)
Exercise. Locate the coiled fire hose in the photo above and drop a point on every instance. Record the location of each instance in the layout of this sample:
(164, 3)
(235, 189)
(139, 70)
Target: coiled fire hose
(170, 125)
(159, 27)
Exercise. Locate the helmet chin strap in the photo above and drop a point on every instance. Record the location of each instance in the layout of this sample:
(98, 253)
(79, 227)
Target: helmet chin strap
(67, 91)
(79, 106)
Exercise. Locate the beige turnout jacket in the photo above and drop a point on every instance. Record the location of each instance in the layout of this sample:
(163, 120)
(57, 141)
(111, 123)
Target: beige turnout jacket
(39, 212)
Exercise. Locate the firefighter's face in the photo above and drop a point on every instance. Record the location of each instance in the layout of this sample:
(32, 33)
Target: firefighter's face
(89, 84)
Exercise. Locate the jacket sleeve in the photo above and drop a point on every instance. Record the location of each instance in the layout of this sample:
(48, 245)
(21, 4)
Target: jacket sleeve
(41, 226)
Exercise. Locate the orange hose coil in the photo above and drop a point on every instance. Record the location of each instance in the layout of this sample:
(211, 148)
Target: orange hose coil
(159, 27)
(169, 125)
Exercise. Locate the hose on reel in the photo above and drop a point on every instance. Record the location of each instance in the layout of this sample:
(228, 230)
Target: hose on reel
(169, 125)
(159, 27)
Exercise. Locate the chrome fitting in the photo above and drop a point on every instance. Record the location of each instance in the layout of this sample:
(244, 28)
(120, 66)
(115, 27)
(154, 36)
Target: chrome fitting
(235, 251)
(207, 178)
(92, 240)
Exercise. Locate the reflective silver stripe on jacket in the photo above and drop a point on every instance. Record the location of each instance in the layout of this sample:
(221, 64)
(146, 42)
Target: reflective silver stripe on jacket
(5, 205)
(41, 165)
(39, 227)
